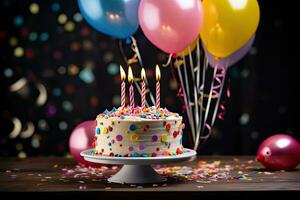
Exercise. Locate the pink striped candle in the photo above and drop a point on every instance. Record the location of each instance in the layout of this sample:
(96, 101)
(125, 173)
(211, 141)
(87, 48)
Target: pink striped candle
(131, 90)
(143, 76)
(123, 91)
(131, 95)
(157, 71)
(123, 87)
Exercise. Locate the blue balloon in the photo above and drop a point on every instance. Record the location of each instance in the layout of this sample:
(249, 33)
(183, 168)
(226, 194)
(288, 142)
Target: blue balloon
(118, 18)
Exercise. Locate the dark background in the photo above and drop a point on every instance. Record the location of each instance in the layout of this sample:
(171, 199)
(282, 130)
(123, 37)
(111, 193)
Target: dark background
(79, 69)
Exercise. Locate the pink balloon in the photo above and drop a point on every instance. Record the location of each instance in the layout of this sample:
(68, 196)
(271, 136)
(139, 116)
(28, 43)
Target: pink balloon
(279, 152)
(171, 25)
(82, 139)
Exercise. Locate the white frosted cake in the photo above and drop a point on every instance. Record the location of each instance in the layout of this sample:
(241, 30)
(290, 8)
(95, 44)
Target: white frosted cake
(139, 133)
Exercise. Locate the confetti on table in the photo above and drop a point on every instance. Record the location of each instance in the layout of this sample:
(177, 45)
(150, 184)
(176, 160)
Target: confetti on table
(82, 187)
(206, 172)
(201, 173)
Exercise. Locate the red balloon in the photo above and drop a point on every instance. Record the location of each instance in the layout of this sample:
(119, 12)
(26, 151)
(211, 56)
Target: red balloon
(82, 139)
(279, 152)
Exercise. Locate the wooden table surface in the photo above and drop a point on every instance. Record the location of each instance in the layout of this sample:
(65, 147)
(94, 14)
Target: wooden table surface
(57, 175)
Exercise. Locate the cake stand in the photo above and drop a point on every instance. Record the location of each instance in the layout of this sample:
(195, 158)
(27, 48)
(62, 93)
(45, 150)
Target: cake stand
(136, 169)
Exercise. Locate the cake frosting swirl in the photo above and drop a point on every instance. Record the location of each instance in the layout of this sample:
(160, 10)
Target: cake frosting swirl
(148, 132)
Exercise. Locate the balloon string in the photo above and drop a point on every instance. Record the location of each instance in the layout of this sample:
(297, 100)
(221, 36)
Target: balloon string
(198, 56)
(180, 95)
(196, 122)
(186, 101)
(187, 89)
(199, 88)
(169, 61)
(207, 108)
(201, 91)
(189, 103)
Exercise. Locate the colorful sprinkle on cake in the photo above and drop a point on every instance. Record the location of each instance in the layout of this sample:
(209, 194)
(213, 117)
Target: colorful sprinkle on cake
(138, 133)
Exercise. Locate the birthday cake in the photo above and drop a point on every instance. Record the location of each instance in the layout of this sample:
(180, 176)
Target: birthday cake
(148, 132)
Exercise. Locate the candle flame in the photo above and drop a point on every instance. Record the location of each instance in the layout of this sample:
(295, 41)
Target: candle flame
(123, 75)
(157, 72)
(130, 75)
(143, 74)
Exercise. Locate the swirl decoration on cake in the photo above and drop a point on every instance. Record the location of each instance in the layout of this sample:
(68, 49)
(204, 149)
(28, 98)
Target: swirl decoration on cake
(147, 132)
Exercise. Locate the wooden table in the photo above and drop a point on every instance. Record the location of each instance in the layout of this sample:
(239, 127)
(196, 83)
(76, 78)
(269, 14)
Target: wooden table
(56, 176)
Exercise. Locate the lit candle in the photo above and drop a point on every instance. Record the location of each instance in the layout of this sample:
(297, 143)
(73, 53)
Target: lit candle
(157, 72)
(131, 91)
(123, 87)
(143, 77)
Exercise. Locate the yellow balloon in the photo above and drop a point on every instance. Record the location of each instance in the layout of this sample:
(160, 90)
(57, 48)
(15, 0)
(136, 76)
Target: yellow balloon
(190, 48)
(228, 25)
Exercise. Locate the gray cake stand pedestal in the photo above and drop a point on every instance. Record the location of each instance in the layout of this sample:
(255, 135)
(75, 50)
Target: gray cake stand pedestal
(136, 169)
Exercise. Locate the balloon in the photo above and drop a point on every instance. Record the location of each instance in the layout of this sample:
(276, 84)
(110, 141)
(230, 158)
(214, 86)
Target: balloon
(279, 152)
(170, 25)
(228, 25)
(188, 49)
(118, 18)
(232, 59)
(82, 139)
